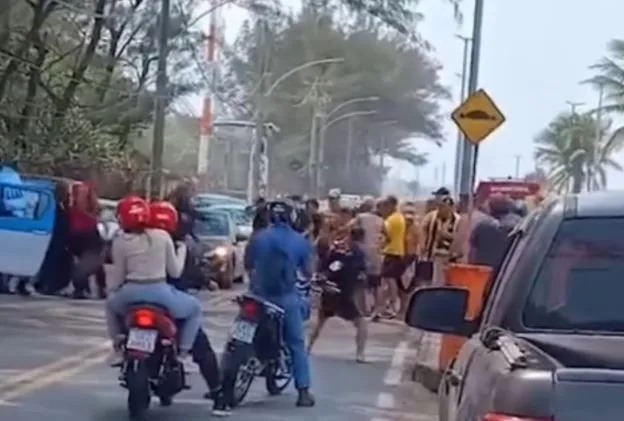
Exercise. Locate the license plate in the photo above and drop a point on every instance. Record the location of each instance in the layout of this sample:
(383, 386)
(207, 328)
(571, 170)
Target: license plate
(244, 331)
(142, 340)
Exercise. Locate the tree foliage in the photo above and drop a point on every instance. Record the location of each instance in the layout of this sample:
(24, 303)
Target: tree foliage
(575, 154)
(395, 75)
(76, 80)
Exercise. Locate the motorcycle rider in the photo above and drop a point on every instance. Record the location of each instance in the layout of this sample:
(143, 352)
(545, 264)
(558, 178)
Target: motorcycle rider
(163, 215)
(142, 259)
(275, 255)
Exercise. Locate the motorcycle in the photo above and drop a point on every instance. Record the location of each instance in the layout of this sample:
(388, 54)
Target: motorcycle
(150, 366)
(255, 348)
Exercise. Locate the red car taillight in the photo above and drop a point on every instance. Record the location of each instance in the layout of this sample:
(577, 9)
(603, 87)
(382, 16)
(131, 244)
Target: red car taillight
(250, 309)
(506, 417)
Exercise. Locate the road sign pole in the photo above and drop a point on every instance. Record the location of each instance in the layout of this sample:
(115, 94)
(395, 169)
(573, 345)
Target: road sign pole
(471, 150)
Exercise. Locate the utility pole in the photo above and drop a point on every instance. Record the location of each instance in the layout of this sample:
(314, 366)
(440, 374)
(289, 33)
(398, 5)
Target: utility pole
(518, 158)
(259, 149)
(598, 142)
(312, 156)
(459, 149)
(471, 152)
(348, 158)
(158, 143)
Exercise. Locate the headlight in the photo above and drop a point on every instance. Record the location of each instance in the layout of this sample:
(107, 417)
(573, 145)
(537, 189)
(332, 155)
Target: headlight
(220, 252)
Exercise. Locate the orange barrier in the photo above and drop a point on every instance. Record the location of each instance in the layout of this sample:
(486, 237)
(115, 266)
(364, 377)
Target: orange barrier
(474, 278)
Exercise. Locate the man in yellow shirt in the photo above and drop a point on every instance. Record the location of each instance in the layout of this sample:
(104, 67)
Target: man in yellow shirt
(393, 264)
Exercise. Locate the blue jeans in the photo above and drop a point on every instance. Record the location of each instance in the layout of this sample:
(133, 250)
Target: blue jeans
(181, 306)
(306, 309)
(294, 337)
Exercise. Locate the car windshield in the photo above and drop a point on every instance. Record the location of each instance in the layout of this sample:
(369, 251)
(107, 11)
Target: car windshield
(580, 284)
(212, 224)
(239, 216)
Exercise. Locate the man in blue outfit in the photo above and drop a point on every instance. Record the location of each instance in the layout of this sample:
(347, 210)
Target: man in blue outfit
(274, 257)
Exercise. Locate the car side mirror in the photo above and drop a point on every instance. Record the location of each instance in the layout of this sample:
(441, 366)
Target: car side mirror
(441, 310)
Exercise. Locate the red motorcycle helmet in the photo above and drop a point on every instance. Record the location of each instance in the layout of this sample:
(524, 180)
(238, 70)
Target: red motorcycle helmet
(133, 213)
(163, 215)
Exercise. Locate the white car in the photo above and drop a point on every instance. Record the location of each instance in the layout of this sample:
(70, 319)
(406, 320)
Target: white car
(223, 251)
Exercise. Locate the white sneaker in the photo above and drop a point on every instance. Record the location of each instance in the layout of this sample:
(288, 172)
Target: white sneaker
(187, 362)
(116, 358)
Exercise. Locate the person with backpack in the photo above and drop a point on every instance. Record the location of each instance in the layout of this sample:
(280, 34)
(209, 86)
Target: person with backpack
(275, 256)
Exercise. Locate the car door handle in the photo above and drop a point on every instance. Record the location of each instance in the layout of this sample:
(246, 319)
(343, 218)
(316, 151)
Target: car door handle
(455, 379)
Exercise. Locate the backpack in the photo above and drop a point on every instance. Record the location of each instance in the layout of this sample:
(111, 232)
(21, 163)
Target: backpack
(278, 276)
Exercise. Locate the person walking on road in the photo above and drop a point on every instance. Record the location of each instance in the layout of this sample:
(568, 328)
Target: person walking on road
(373, 233)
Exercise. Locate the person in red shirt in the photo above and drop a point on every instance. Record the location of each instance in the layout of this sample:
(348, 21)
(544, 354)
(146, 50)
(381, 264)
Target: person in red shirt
(85, 242)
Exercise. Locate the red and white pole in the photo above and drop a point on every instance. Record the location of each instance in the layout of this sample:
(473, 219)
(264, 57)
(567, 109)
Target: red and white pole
(207, 118)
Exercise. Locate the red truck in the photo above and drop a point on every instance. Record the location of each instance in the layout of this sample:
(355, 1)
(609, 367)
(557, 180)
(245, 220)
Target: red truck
(513, 188)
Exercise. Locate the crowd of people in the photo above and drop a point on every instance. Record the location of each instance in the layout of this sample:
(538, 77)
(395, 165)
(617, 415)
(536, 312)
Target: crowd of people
(77, 251)
(376, 255)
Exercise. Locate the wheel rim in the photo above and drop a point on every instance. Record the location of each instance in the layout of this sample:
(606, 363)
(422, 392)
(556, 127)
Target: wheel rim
(283, 372)
(243, 380)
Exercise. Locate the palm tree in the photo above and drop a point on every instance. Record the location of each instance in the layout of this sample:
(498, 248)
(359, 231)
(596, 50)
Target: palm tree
(572, 155)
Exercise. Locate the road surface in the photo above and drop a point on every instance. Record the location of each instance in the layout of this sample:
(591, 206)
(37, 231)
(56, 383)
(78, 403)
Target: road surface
(52, 354)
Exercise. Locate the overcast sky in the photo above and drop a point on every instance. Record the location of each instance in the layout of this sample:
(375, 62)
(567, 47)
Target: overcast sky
(534, 53)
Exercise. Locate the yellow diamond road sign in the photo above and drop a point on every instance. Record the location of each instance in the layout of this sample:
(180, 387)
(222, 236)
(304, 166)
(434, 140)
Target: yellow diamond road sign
(478, 116)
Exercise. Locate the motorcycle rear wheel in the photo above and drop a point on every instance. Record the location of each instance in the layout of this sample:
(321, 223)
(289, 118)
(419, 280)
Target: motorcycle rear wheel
(139, 397)
(279, 373)
(237, 374)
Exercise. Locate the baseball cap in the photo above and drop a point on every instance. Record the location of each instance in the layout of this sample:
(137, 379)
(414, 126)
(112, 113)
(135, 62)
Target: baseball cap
(442, 191)
(334, 194)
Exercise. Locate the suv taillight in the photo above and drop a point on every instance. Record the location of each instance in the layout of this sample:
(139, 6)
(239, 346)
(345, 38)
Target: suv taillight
(494, 416)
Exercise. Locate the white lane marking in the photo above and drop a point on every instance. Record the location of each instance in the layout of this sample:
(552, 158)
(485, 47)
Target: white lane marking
(32, 376)
(393, 377)
(385, 400)
(52, 378)
(395, 372)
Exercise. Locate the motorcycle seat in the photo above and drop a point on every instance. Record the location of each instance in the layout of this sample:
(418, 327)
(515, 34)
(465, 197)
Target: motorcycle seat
(152, 306)
(271, 307)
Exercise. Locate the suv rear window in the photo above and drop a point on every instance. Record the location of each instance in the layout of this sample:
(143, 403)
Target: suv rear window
(580, 285)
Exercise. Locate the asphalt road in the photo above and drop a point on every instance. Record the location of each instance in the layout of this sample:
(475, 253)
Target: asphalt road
(52, 354)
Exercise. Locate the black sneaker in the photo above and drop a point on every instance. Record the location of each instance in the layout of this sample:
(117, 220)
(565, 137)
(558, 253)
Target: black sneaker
(305, 399)
(219, 407)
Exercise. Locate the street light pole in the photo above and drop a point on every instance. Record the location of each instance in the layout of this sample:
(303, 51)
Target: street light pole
(593, 167)
(319, 156)
(471, 152)
(459, 148)
(259, 149)
(573, 105)
(321, 150)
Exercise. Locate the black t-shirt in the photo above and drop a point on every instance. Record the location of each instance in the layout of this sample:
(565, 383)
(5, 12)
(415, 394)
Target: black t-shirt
(302, 220)
(344, 268)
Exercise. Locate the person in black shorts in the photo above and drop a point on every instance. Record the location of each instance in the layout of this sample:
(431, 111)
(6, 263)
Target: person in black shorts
(345, 266)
